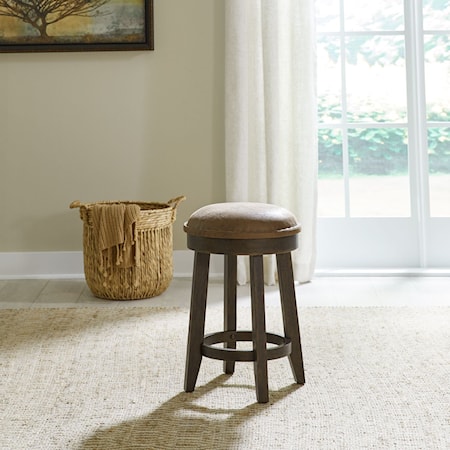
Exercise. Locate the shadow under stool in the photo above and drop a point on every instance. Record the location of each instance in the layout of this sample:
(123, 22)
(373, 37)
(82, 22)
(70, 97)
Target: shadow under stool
(253, 229)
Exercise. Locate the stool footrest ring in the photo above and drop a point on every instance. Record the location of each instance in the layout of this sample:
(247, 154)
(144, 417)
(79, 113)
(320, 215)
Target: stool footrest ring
(283, 346)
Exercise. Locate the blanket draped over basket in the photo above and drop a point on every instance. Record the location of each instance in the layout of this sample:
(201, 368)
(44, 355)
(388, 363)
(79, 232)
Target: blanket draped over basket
(115, 228)
(128, 250)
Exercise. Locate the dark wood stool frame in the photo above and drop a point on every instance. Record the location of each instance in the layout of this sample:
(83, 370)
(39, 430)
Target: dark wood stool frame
(200, 345)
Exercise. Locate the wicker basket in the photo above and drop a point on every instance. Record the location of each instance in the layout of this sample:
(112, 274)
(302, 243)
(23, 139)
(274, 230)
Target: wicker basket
(152, 272)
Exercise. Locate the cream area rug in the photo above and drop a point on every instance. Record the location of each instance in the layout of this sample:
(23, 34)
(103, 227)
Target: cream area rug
(111, 378)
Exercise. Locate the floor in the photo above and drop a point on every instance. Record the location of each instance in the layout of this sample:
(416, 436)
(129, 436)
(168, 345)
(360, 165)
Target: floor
(322, 291)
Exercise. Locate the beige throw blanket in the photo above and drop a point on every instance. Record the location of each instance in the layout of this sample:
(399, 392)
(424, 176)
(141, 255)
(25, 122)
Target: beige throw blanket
(115, 228)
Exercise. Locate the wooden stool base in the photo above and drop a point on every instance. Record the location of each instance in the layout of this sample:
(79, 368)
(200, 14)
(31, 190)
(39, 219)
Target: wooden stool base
(200, 345)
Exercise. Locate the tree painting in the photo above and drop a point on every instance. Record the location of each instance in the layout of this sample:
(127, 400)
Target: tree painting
(40, 14)
(125, 24)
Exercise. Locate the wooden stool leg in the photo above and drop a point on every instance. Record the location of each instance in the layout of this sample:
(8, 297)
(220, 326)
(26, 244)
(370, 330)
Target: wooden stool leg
(197, 319)
(259, 328)
(230, 277)
(290, 315)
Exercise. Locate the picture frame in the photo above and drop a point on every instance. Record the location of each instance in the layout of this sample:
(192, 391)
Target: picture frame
(76, 25)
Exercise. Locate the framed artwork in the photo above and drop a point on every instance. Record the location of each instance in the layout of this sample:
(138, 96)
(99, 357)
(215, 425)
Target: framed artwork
(75, 25)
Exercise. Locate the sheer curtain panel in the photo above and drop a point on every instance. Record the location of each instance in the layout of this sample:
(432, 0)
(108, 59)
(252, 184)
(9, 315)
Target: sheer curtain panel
(271, 131)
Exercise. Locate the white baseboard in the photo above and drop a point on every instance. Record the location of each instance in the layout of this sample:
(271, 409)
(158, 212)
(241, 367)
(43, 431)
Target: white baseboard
(70, 265)
(24, 265)
(41, 265)
(384, 272)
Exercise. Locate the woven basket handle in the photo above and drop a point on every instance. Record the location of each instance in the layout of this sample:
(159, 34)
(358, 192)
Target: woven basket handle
(175, 201)
(75, 204)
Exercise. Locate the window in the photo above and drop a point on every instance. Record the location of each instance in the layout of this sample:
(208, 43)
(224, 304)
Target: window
(384, 131)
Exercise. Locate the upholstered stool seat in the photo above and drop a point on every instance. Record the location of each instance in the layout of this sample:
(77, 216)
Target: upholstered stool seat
(253, 229)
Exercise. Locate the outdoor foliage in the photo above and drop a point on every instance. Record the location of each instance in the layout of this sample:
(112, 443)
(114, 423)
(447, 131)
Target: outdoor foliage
(378, 151)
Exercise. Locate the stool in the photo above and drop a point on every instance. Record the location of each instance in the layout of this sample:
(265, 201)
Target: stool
(253, 229)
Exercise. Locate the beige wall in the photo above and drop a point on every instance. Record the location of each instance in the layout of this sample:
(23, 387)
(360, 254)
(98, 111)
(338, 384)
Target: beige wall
(112, 125)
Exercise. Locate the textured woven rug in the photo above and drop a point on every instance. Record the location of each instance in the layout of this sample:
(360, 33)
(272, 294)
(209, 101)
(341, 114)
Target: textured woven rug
(110, 378)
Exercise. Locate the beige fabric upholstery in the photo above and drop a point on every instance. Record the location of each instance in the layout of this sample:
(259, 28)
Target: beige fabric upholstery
(242, 220)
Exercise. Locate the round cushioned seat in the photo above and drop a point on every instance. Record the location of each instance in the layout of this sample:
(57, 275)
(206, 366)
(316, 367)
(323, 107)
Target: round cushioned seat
(242, 220)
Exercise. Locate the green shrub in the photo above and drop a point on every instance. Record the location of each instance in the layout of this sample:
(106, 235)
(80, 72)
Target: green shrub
(377, 151)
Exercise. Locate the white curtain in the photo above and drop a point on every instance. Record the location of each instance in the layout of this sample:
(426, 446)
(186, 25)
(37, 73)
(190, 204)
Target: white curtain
(271, 144)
